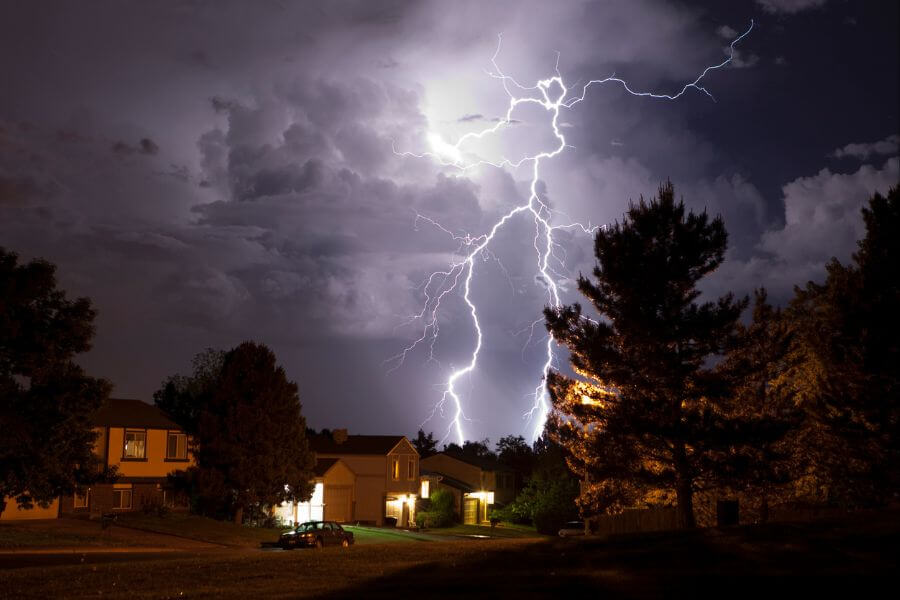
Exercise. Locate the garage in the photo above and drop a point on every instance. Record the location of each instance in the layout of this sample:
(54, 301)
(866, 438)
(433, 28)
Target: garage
(470, 511)
(338, 503)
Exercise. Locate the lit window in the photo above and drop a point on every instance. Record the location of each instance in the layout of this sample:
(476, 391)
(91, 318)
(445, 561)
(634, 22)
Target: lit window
(395, 468)
(135, 444)
(176, 449)
(411, 469)
(122, 499)
(425, 488)
(82, 500)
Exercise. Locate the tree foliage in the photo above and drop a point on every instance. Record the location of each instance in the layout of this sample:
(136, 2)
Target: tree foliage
(649, 413)
(548, 497)
(249, 436)
(46, 400)
(846, 351)
(425, 445)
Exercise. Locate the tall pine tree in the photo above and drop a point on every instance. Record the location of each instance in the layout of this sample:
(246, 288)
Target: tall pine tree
(649, 413)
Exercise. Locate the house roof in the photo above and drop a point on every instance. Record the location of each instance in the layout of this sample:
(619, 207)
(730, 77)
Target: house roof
(447, 480)
(122, 412)
(485, 464)
(355, 444)
(323, 464)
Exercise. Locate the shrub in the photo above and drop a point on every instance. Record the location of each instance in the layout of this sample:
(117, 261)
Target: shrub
(440, 513)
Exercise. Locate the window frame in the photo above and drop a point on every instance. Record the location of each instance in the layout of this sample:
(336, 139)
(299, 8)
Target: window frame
(86, 496)
(175, 432)
(395, 468)
(120, 492)
(411, 469)
(125, 433)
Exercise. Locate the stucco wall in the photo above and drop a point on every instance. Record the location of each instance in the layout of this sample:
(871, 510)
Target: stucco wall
(13, 513)
(155, 464)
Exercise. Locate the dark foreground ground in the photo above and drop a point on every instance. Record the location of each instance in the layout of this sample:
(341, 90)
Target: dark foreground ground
(854, 556)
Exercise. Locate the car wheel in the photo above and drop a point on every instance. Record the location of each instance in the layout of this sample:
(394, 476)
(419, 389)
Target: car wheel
(319, 543)
(345, 543)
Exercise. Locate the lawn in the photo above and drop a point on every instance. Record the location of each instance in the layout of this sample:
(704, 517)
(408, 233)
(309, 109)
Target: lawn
(80, 533)
(834, 558)
(200, 529)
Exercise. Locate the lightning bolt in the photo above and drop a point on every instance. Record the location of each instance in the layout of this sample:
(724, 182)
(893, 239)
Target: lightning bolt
(553, 96)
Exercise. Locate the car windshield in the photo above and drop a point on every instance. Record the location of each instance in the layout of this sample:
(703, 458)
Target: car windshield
(311, 526)
(574, 524)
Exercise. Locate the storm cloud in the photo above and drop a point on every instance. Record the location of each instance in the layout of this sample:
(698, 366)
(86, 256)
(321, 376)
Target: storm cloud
(214, 172)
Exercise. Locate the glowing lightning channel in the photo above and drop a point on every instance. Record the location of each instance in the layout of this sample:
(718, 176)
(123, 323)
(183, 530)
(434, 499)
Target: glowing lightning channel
(552, 96)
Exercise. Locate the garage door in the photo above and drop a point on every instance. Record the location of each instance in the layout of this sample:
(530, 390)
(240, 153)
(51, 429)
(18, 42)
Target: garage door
(338, 503)
(470, 511)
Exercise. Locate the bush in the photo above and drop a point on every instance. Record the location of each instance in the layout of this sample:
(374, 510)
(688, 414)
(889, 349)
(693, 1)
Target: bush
(440, 513)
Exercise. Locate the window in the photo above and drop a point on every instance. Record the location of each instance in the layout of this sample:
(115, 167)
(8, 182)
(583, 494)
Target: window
(82, 500)
(411, 469)
(176, 448)
(426, 485)
(135, 445)
(122, 499)
(395, 468)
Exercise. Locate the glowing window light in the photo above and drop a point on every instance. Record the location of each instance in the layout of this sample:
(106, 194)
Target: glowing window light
(425, 491)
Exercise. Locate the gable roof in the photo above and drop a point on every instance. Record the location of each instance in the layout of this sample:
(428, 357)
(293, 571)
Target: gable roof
(355, 444)
(122, 412)
(485, 464)
(447, 480)
(323, 464)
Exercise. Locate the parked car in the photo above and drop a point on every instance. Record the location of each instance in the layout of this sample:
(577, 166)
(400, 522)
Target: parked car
(572, 529)
(316, 534)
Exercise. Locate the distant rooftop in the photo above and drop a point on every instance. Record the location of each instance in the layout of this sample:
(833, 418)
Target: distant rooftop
(485, 464)
(354, 444)
(122, 412)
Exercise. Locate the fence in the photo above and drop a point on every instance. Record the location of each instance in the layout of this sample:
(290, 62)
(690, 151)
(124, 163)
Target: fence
(635, 520)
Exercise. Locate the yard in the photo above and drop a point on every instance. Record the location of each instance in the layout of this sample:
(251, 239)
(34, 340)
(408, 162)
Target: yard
(837, 557)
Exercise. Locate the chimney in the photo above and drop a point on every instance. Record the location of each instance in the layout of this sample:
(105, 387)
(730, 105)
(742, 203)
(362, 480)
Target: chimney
(339, 436)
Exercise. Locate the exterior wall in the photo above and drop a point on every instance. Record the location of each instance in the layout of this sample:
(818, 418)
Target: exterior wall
(155, 463)
(13, 513)
(374, 482)
(456, 469)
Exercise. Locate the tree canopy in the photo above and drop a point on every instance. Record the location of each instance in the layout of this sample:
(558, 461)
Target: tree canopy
(249, 436)
(648, 412)
(846, 352)
(46, 400)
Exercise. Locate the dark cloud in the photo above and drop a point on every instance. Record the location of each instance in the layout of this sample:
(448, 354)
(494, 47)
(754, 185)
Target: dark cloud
(236, 171)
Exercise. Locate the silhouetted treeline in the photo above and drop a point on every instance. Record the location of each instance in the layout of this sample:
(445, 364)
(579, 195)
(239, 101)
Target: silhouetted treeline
(677, 397)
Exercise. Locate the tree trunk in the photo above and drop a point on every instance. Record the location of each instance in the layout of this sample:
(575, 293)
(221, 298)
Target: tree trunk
(239, 515)
(684, 489)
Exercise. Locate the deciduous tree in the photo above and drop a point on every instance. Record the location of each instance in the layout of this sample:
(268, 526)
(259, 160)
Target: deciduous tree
(46, 400)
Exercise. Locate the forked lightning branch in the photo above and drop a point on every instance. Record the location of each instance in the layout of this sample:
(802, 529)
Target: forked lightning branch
(554, 96)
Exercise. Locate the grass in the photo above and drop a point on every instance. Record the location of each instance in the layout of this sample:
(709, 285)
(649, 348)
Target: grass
(201, 529)
(838, 557)
(79, 533)
(502, 530)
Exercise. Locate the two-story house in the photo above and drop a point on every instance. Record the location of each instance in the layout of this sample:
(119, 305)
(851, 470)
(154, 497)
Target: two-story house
(145, 446)
(386, 477)
(476, 483)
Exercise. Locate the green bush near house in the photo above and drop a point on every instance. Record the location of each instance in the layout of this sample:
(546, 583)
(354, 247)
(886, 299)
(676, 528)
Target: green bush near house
(440, 512)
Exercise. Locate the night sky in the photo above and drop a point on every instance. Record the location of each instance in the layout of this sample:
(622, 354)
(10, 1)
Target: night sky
(210, 172)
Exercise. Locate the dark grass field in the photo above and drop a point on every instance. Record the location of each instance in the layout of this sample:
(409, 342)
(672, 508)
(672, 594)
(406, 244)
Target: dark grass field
(853, 556)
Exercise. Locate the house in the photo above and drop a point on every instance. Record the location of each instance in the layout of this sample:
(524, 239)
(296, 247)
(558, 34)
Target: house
(385, 472)
(334, 475)
(144, 444)
(476, 483)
